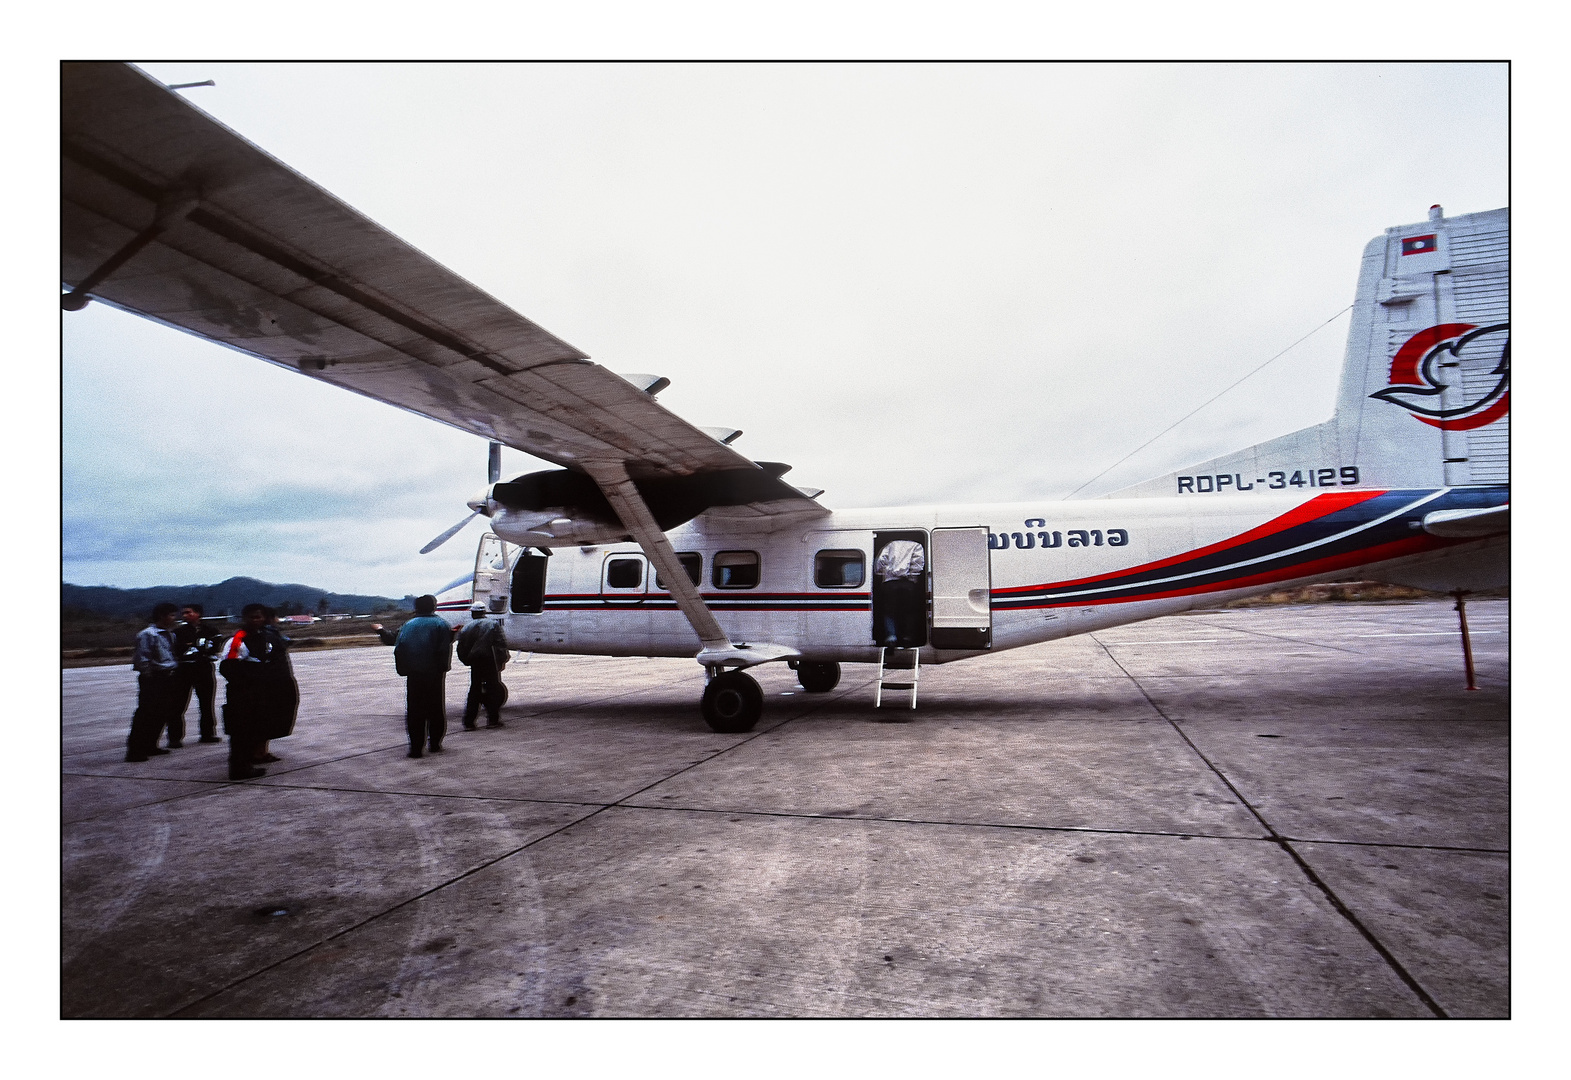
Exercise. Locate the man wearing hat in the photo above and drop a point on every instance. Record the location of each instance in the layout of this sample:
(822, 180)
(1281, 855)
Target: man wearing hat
(483, 646)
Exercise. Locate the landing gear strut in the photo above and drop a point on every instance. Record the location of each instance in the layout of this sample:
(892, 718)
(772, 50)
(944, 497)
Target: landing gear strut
(818, 678)
(732, 703)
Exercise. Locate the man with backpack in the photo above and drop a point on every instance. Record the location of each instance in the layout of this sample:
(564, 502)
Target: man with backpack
(482, 645)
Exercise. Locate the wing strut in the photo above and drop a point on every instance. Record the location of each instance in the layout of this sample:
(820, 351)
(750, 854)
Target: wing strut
(718, 650)
(174, 207)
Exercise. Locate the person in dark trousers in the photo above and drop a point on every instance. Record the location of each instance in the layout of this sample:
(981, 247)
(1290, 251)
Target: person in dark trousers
(422, 654)
(900, 593)
(276, 729)
(196, 648)
(261, 696)
(154, 661)
(483, 646)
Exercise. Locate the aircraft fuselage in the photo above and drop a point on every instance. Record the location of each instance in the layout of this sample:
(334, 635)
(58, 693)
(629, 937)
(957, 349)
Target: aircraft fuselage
(999, 576)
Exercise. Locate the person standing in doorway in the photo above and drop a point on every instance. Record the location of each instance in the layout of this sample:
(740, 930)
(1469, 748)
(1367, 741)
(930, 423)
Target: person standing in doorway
(154, 661)
(195, 649)
(423, 654)
(899, 575)
(483, 646)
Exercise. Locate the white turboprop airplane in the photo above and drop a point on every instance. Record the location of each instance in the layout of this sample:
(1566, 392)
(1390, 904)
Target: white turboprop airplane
(656, 538)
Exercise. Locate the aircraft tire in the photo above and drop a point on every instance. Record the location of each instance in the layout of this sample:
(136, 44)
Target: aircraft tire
(732, 703)
(818, 678)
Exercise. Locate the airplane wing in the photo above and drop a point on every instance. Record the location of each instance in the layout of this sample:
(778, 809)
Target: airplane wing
(168, 214)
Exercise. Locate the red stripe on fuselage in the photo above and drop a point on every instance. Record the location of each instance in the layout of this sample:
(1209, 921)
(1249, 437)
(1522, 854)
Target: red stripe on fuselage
(1318, 507)
(1394, 550)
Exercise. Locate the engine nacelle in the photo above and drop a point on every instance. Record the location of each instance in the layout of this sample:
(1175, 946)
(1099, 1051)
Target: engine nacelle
(557, 508)
(553, 527)
(563, 508)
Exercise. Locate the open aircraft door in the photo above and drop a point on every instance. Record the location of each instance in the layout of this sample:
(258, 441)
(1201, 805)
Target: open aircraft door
(491, 578)
(962, 589)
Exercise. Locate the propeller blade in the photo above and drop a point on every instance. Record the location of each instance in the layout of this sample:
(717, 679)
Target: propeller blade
(493, 474)
(448, 535)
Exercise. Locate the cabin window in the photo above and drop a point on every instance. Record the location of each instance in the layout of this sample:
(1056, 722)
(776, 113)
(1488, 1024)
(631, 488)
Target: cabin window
(692, 562)
(736, 570)
(839, 569)
(624, 573)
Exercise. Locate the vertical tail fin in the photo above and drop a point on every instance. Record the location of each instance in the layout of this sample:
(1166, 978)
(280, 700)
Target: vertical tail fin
(1425, 393)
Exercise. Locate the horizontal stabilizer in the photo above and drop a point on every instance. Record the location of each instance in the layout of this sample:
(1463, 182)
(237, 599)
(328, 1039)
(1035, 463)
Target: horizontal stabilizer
(1469, 524)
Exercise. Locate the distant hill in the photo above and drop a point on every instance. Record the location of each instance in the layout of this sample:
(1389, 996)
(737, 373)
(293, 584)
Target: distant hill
(227, 597)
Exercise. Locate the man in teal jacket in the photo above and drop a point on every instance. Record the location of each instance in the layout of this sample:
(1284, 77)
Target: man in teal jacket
(422, 654)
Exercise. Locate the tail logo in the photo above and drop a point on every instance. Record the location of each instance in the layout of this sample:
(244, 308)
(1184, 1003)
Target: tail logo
(1431, 362)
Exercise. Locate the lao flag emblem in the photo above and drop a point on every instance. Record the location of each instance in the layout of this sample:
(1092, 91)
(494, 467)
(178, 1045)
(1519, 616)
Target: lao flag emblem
(1419, 245)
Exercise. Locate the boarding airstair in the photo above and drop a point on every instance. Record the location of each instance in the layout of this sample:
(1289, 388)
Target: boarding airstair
(898, 669)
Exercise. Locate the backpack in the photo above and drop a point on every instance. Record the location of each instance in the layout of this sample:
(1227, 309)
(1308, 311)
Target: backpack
(468, 642)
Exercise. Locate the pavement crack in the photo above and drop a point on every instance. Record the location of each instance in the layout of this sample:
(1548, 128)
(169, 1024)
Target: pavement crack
(937, 823)
(811, 708)
(1286, 846)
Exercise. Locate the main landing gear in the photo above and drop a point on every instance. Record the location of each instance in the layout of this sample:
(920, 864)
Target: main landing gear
(732, 703)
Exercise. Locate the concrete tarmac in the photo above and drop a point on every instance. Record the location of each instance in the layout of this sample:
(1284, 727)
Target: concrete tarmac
(1273, 812)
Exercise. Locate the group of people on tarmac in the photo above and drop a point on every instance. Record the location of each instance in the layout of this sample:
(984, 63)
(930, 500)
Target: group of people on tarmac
(174, 658)
(423, 654)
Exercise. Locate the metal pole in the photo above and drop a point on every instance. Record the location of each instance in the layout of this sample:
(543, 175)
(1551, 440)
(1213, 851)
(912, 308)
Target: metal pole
(1467, 642)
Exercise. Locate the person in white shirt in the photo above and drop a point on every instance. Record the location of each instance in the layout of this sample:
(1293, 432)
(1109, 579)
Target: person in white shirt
(899, 573)
(154, 661)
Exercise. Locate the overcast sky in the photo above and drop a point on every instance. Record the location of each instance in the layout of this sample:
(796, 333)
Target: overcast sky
(914, 283)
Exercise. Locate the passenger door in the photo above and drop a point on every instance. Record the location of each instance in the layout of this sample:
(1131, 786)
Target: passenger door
(962, 589)
(491, 580)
